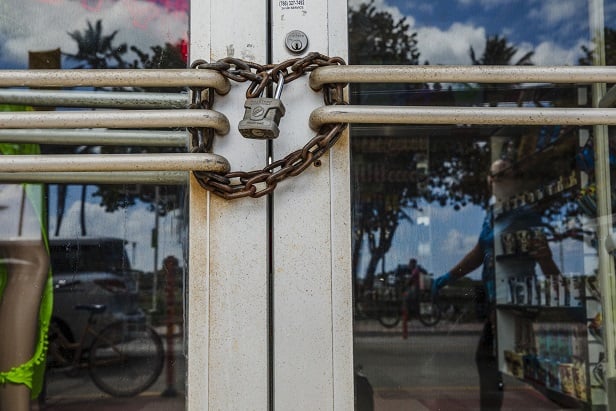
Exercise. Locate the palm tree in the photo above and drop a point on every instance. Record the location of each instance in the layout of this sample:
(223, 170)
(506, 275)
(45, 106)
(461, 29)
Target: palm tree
(588, 59)
(95, 50)
(498, 52)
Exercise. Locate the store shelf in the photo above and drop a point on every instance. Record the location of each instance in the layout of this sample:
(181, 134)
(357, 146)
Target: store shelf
(545, 313)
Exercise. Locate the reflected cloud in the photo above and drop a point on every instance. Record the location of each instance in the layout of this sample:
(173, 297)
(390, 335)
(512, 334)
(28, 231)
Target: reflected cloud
(457, 242)
(555, 12)
(554, 29)
(488, 4)
(450, 46)
(139, 23)
(134, 224)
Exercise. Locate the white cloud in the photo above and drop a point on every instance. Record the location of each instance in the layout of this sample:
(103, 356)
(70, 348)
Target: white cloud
(553, 12)
(383, 5)
(550, 53)
(139, 23)
(488, 4)
(134, 224)
(450, 46)
(457, 242)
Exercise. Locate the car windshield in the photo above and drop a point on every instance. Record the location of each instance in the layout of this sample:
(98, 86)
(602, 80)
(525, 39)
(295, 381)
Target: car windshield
(75, 257)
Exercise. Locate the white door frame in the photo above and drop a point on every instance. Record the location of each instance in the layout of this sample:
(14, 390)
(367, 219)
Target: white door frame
(241, 287)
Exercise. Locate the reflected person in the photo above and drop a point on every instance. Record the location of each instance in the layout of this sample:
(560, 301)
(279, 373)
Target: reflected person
(502, 186)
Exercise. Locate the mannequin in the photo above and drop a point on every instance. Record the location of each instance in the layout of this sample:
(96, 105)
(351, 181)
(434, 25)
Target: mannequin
(25, 296)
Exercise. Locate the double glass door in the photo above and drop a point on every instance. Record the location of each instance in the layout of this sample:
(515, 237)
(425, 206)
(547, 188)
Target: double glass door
(324, 294)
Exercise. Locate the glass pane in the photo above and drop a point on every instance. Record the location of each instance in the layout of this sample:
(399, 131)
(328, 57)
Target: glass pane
(475, 259)
(116, 251)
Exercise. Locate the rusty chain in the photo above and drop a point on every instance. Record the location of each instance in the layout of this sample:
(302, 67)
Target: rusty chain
(257, 183)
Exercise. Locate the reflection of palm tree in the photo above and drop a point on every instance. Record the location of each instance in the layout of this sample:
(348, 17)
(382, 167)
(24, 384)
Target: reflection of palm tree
(96, 50)
(498, 52)
(588, 59)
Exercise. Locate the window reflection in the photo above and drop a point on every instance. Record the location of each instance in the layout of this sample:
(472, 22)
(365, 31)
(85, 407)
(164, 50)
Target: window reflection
(420, 193)
(116, 250)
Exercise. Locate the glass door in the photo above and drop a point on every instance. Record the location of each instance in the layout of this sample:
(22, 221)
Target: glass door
(115, 247)
(477, 251)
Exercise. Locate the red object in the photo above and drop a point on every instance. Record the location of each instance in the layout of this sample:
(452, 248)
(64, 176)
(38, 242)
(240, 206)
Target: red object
(170, 265)
(183, 46)
(405, 323)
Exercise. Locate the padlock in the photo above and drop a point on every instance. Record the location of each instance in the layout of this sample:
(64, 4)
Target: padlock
(262, 115)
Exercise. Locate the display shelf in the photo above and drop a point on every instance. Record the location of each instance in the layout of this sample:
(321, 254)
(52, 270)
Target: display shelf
(537, 200)
(546, 314)
(523, 148)
(548, 324)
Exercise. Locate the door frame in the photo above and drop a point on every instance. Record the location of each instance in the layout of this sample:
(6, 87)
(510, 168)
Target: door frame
(269, 291)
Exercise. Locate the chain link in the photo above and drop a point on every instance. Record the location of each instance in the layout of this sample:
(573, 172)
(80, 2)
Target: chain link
(257, 183)
(202, 138)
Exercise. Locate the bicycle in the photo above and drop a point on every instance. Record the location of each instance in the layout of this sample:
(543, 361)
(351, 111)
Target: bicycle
(123, 360)
(425, 308)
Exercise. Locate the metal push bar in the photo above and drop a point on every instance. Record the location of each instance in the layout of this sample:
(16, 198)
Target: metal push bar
(96, 137)
(116, 78)
(98, 177)
(461, 74)
(114, 162)
(94, 99)
(116, 119)
(460, 115)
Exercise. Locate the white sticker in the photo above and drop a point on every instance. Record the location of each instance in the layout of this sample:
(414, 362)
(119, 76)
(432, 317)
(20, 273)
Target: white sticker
(291, 4)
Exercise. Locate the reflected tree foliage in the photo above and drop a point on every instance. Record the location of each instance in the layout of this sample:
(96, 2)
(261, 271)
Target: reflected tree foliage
(498, 51)
(588, 57)
(380, 201)
(376, 38)
(98, 50)
(449, 171)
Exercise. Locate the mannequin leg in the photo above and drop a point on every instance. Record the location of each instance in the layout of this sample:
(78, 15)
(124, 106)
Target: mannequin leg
(28, 265)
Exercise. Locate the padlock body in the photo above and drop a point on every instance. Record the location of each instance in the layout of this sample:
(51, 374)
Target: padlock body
(261, 118)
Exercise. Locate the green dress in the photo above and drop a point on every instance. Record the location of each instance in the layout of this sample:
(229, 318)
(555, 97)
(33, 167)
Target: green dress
(32, 372)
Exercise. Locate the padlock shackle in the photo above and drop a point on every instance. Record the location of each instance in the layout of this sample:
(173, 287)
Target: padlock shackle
(279, 86)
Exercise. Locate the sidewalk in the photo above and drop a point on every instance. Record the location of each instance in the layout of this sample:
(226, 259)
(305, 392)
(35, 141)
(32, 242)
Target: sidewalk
(458, 399)
(149, 402)
(421, 399)
(426, 398)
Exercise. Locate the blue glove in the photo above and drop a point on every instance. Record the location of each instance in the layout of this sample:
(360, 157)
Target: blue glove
(440, 282)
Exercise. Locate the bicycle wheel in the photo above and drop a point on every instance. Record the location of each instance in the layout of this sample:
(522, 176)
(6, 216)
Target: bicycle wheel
(428, 313)
(126, 359)
(389, 315)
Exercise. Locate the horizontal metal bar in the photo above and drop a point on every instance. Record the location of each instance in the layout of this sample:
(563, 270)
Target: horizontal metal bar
(94, 99)
(460, 115)
(109, 177)
(114, 162)
(117, 78)
(116, 119)
(461, 74)
(96, 137)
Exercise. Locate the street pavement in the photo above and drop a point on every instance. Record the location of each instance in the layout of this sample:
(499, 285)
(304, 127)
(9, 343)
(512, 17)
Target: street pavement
(433, 369)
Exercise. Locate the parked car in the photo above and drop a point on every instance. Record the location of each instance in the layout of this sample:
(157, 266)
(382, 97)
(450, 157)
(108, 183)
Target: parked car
(92, 271)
